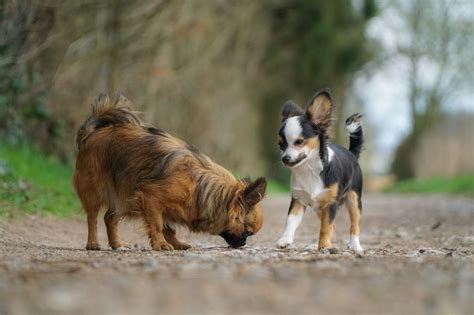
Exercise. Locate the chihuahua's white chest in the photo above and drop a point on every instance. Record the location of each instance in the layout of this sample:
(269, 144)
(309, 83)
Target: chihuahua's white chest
(306, 183)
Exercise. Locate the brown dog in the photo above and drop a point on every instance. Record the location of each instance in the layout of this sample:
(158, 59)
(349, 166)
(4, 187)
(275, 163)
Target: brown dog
(138, 171)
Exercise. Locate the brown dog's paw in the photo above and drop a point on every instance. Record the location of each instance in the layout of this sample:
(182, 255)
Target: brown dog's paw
(162, 246)
(121, 245)
(93, 246)
(182, 246)
(324, 250)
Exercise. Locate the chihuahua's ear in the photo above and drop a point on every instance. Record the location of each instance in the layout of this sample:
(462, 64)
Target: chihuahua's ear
(290, 109)
(319, 109)
(255, 191)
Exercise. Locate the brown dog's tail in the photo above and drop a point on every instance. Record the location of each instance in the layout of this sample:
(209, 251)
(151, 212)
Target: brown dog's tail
(106, 112)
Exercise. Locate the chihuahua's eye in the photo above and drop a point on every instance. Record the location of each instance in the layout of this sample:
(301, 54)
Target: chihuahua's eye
(298, 142)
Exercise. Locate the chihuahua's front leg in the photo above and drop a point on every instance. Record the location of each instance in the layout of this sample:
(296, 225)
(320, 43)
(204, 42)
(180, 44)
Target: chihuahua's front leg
(326, 207)
(295, 216)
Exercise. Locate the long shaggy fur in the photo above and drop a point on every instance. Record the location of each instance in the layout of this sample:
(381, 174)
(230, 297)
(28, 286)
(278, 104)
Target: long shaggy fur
(139, 171)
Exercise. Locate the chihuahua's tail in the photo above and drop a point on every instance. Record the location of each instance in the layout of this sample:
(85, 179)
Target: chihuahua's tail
(356, 134)
(105, 112)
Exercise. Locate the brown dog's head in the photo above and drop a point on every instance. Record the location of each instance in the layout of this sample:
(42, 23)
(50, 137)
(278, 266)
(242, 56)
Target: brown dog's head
(246, 215)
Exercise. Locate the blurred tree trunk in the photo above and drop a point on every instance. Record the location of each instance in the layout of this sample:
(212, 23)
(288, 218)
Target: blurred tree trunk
(113, 42)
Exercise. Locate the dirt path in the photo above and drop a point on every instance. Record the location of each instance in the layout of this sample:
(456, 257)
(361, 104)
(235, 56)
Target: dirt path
(418, 260)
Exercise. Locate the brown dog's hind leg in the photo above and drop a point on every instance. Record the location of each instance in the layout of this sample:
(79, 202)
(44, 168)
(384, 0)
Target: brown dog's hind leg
(111, 223)
(92, 242)
(170, 236)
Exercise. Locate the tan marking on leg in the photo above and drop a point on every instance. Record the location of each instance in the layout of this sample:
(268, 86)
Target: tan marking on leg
(297, 207)
(327, 228)
(352, 205)
(327, 197)
(324, 201)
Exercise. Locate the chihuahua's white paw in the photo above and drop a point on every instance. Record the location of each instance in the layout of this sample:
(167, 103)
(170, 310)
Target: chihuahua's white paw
(285, 241)
(354, 244)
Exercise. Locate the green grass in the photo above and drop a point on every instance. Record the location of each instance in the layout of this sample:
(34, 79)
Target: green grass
(457, 185)
(31, 181)
(274, 187)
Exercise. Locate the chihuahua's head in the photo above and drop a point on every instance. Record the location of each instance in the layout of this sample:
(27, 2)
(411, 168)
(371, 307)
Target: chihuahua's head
(303, 133)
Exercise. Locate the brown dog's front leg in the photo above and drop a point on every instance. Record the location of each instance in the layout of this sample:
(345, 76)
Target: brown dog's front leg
(153, 217)
(155, 232)
(170, 236)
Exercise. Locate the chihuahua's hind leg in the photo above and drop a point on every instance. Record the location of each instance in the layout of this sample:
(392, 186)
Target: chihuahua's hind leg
(111, 223)
(353, 206)
(170, 236)
(295, 216)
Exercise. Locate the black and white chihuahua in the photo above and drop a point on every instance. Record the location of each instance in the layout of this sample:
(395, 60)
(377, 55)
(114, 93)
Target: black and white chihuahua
(324, 175)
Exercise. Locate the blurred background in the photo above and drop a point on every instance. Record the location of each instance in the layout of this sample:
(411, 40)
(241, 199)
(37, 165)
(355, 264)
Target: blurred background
(216, 73)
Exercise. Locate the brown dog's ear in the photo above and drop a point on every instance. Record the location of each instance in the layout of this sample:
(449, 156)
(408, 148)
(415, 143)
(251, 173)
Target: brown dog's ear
(121, 100)
(255, 191)
(319, 109)
(290, 109)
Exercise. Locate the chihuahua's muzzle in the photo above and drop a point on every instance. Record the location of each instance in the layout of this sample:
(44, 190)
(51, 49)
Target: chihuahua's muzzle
(286, 159)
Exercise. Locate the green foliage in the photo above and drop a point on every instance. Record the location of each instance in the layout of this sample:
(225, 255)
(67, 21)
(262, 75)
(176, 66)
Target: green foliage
(31, 181)
(456, 185)
(276, 187)
(23, 108)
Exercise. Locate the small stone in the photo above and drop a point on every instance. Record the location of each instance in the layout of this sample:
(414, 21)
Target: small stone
(324, 251)
(402, 234)
(333, 250)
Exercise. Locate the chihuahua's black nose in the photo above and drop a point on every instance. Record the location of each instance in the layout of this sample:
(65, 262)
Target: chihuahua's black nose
(285, 159)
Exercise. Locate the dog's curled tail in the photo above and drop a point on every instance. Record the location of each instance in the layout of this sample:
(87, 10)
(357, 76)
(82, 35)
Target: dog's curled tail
(105, 112)
(356, 133)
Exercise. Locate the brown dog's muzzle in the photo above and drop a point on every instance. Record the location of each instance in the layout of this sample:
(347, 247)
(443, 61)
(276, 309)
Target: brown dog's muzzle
(234, 241)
